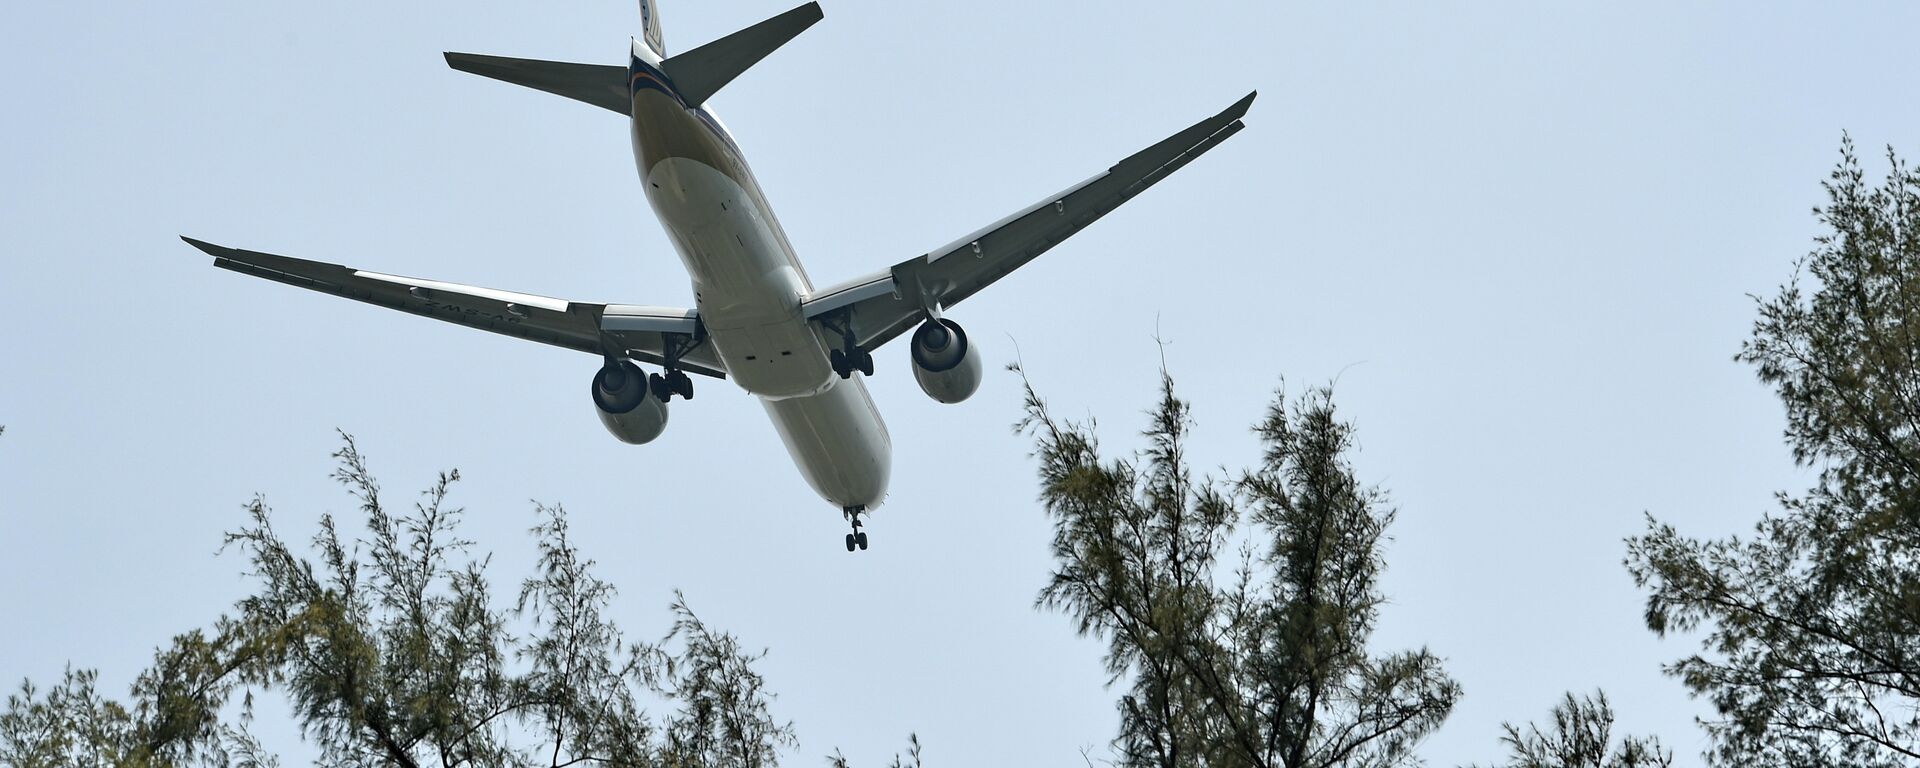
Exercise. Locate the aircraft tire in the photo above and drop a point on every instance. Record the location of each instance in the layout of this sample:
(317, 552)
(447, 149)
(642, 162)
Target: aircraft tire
(850, 542)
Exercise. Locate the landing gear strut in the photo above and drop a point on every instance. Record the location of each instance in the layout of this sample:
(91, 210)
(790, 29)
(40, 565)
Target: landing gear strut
(857, 539)
(674, 381)
(849, 357)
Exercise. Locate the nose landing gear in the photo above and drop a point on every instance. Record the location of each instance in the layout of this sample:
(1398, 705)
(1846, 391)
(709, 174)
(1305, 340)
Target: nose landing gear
(857, 539)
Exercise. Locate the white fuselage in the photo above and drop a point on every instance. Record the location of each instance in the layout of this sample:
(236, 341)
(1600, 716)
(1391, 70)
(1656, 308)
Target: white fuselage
(748, 286)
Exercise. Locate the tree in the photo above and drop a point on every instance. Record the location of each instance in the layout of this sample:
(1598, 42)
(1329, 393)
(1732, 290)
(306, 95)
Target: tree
(393, 652)
(1267, 665)
(1581, 737)
(1811, 646)
(911, 760)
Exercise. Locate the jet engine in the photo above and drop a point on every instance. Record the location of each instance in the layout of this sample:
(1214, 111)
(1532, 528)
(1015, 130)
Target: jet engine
(944, 362)
(627, 406)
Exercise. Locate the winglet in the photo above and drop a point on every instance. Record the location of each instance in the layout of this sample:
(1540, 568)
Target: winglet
(703, 71)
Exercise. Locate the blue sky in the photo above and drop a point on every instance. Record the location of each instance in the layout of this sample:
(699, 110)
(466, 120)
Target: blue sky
(1520, 235)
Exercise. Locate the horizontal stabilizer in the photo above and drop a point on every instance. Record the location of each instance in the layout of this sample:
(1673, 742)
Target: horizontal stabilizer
(700, 73)
(596, 84)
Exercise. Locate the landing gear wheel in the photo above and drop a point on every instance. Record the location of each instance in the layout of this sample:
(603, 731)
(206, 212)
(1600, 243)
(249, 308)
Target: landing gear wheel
(866, 362)
(680, 384)
(858, 538)
(838, 361)
(661, 390)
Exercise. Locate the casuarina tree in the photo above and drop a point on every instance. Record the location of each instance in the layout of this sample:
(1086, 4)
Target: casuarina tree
(1580, 736)
(1810, 625)
(1237, 612)
(393, 651)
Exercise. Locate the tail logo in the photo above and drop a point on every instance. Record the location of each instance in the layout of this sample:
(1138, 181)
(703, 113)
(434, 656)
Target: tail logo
(650, 22)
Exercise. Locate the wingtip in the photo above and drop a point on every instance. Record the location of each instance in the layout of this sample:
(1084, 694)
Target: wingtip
(806, 15)
(209, 248)
(464, 62)
(1239, 108)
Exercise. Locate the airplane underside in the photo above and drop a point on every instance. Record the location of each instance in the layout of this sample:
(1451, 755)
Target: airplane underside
(758, 319)
(749, 292)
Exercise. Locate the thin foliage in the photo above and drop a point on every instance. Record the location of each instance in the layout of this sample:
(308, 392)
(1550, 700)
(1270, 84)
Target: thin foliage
(1249, 656)
(1580, 736)
(1810, 647)
(392, 651)
(910, 760)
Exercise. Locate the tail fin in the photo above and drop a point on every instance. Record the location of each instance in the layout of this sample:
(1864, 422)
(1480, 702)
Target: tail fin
(699, 73)
(650, 20)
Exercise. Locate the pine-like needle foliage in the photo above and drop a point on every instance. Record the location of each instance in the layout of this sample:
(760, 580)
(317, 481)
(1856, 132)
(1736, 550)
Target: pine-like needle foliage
(910, 760)
(1812, 625)
(172, 717)
(1258, 661)
(1581, 736)
(393, 652)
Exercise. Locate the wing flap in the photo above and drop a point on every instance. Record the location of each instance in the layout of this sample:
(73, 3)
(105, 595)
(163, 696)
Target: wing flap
(878, 307)
(861, 290)
(590, 328)
(628, 317)
(1018, 239)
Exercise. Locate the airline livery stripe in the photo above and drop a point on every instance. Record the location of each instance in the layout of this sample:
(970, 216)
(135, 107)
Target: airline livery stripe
(645, 77)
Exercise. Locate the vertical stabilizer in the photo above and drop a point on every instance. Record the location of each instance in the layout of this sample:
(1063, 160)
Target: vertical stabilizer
(650, 20)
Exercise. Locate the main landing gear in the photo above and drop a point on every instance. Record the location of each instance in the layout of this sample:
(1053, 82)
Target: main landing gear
(857, 539)
(674, 383)
(849, 357)
(852, 359)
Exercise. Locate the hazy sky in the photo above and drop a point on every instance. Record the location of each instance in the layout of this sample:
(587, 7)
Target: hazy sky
(1520, 234)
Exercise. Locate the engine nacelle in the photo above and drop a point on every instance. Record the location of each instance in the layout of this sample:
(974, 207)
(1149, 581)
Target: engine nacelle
(626, 404)
(944, 362)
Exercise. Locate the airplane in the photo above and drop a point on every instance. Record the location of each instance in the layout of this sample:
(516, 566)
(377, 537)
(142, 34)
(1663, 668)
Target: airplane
(757, 318)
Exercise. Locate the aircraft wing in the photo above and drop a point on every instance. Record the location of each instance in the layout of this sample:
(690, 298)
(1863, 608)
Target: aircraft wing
(880, 306)
(641, 333)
